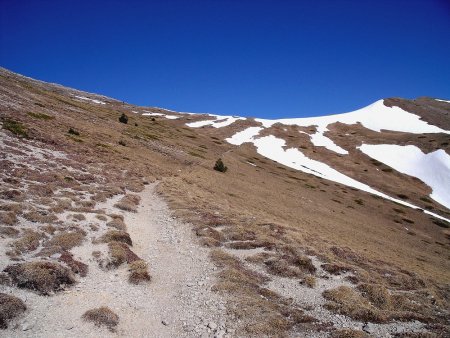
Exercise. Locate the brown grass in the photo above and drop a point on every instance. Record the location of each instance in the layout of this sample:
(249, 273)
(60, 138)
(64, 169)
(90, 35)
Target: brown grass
(102, 316)
(29, 241)
(8, 218)
(138, 272)
(120, 253)
(116, 236)
(101, 217)
(41, 276)
(78, 217)
(10, 307)
(8, 231)
(348, 333)
(76, 266)
(67, 240)
(346, 301)
(129, 202)
(310, 281)
(335, 269)
(118, 224)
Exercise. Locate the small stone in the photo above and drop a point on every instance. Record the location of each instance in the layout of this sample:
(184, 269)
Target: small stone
(164, 322)
(369, 328)
(27, 326)
(212, 325)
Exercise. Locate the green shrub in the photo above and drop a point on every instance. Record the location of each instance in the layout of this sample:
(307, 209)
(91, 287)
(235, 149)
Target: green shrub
(16, 128)
(220, 166)
(123, 118)
(40, 116)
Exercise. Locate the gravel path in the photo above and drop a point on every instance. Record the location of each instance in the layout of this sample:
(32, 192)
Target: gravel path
(178, 302)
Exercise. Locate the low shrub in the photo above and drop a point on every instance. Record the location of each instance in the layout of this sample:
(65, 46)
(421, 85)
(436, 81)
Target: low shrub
(123, 118)
(10, 307)
(102, 316)
(220, 166)
(41, 276)
(73, 131)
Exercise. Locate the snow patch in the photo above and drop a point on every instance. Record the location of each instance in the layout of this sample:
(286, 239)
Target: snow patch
(433, 168)
(88, 99)
(218, 122)
(247, 135)
(442, 100)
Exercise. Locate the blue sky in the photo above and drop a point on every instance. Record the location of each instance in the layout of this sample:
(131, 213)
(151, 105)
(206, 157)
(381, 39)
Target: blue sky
(259, 58)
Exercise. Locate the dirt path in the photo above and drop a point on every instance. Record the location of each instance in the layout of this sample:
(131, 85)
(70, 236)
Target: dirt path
(177, 302)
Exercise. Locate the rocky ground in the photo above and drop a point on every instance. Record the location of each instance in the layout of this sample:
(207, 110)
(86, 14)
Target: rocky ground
(177, 302)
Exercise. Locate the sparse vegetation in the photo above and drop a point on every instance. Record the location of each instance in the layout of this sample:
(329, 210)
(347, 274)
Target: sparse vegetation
(102, 316)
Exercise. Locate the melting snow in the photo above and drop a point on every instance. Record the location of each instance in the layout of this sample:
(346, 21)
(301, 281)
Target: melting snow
(88, 99)
(273, 148)
(376, 117)
(443, 100)
(433, 168)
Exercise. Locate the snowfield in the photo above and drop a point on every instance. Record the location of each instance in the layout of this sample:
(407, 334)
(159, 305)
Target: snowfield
(274, 149)
(376, 117)
(433, 168)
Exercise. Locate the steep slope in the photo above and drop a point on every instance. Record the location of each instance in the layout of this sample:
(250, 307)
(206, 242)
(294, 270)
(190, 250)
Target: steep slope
(310, 219)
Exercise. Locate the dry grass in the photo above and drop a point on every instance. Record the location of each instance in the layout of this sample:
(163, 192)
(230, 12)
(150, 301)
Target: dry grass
(335, 269)
(129, 202)
(118, 224)
(41, 276)
(348, 333)
(310, 281)
(346, 301)
(261, 311)
(76, 266)
(120, 253)
(102, 316)
(41, 216)
(8, 218)
(79, 217)
(101, 217)
(9, 232)
(138, 272)
(10, 307)
(67, 240)
(29, 241)
(116, 236)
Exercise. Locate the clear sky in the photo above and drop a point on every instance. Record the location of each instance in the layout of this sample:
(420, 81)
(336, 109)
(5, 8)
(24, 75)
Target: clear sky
(263, 58)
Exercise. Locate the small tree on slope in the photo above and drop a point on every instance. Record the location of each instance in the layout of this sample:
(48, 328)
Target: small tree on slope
(220, 166)
(123, 118)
